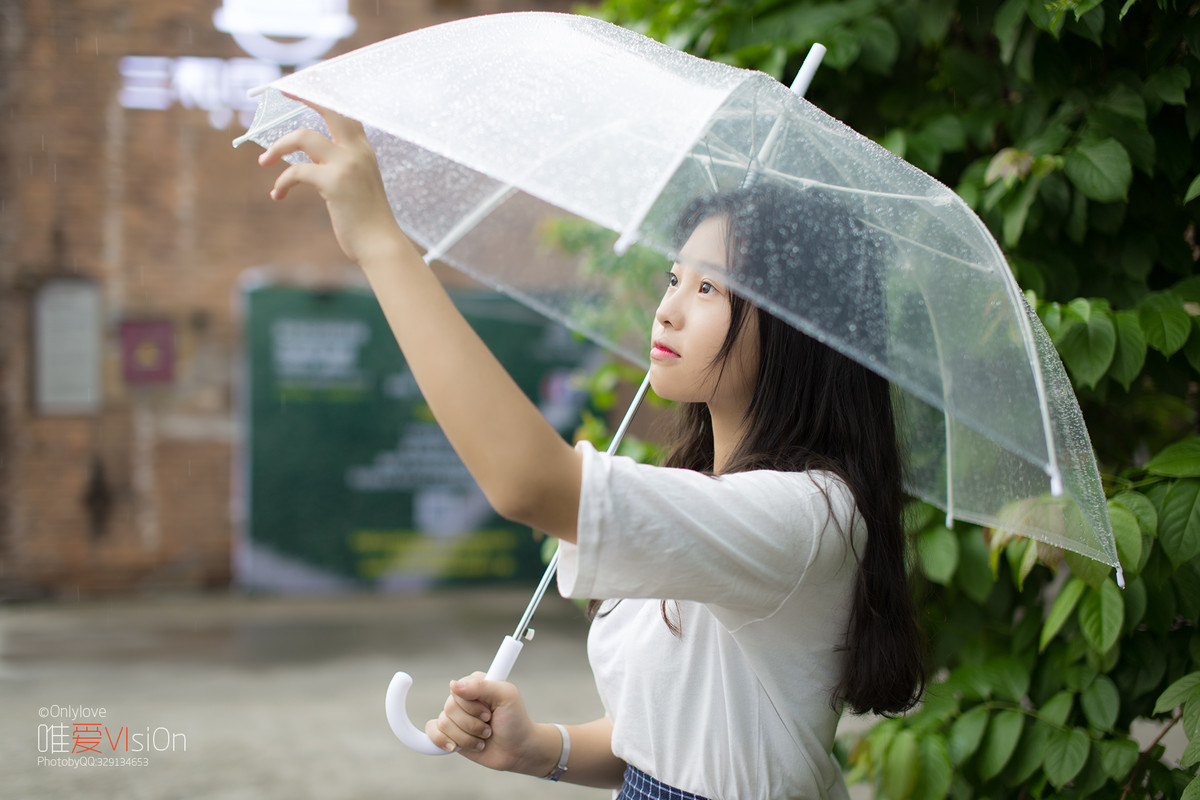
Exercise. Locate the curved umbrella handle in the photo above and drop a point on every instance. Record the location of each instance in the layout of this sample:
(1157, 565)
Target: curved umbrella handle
(395, 702)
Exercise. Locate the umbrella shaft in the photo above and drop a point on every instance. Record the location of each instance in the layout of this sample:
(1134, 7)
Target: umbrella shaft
(552, 567)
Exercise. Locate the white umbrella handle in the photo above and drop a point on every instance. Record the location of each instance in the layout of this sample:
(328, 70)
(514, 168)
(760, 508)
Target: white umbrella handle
(395, 702)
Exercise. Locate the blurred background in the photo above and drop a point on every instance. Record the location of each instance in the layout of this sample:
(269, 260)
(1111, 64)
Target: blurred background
(226, 517)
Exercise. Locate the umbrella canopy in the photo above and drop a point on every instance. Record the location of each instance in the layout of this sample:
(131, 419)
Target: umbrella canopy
(505, 141)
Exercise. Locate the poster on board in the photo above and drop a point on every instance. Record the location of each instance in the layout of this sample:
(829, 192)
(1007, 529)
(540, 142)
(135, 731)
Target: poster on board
(347, 482)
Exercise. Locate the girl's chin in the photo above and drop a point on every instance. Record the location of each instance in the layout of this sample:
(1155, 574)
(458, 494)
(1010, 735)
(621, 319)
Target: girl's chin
(667, 390)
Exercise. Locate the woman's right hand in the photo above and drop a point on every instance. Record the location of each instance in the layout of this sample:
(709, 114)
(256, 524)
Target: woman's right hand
(344, 171)
(488, 724)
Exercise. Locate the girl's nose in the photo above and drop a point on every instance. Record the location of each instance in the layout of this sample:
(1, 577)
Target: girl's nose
(670, 309)
(668, 313)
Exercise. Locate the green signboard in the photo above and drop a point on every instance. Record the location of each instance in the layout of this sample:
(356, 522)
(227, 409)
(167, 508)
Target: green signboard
(347, 481)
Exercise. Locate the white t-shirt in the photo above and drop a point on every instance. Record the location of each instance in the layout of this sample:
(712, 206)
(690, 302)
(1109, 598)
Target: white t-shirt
(738, 707)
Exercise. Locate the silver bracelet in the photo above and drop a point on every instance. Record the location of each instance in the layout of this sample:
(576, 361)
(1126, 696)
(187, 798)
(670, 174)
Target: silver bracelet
(558, 771)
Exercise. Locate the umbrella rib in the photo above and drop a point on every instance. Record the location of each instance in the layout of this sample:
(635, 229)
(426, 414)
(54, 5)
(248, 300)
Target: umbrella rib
(629, 234)
(467, 223)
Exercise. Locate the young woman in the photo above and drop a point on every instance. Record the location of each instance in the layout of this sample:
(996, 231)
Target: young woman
(757, 583)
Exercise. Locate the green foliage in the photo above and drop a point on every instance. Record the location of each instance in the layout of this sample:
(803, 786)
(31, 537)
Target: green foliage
(1070, 127)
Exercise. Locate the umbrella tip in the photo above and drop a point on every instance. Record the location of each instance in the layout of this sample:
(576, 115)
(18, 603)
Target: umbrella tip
(1120, 577)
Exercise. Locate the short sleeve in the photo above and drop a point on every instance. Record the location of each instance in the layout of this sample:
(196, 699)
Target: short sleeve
(742, 541)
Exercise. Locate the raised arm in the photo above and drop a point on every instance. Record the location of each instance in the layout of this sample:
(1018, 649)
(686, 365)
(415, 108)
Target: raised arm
(526, 470)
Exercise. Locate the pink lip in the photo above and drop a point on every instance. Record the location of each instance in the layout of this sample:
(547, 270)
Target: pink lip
(661, 351)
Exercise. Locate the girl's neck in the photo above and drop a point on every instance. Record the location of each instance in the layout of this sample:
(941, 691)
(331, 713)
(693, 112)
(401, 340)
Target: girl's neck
(728, 430)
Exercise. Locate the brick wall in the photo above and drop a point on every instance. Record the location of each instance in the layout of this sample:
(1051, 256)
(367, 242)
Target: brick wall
(159, 210)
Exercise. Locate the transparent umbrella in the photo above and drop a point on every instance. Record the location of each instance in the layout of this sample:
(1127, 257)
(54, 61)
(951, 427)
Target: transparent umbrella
(512, 144)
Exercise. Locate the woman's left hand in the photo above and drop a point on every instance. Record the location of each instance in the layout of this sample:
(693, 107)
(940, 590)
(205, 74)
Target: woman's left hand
(345, 173)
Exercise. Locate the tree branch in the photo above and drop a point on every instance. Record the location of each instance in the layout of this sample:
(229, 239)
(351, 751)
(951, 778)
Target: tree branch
(1145, 753)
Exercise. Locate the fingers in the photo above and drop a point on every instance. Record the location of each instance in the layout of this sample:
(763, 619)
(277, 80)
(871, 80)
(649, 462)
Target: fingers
(460, 692)
(292, 176)
(463, 723)
(317, 147)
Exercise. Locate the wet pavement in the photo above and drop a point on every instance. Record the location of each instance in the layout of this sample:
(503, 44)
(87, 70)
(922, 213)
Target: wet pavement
(250, 697)
(236, 697)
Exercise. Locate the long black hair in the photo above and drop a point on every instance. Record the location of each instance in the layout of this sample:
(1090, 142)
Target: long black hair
(813, 408)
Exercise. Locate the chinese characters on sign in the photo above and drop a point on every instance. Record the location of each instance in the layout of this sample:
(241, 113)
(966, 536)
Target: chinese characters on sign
(219, 86)
(215, 85)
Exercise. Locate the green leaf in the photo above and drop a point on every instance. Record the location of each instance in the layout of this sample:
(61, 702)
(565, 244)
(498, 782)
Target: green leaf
(1008, 676)
(1118, 757)
(936, 772)
(1060, 610)
(946, 132)
(966, 733)
(1191, 720)
(1130, 354)
(1188, 289)
(1100, 703)
(1125, 8)
(1140, 506)
(1127, 534)
(1016, 210)
(1192, 792)
(1191, 348)
(1178, 460)
(880, 739)
(937, 548)
(1179, 521)
(1178, 693)
(973, 575)
(1007, 25)
(1191, 755)
(900, 774)
(1100, 169)
(1066, 753)
(1164, 322)
(1056, 710)
(1170, 85)
(1193, 190)
(1077, 221)
(1088, 570)
(1087, 344)
(880, 44)
(1002, 735)
(1135, 602)
(1101, 615)
(1030, 753)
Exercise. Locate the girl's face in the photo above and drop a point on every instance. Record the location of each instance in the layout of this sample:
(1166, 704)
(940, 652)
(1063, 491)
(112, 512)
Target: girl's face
(690, 326)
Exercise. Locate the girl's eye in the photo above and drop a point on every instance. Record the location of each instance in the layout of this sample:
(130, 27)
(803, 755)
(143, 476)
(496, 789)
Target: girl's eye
(672, 279)
(706, 288)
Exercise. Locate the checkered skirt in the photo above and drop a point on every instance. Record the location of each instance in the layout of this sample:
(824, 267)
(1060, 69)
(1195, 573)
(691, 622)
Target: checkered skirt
(640, 786)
